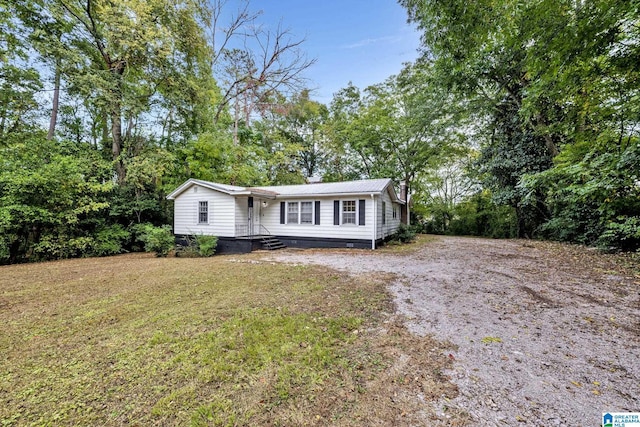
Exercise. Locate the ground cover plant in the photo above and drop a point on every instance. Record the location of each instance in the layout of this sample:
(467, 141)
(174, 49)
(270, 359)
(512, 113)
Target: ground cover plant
(223, 341)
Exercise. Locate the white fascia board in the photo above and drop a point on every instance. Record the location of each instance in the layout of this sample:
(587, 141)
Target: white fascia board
(312, 195)
(175, 193)
(191, 182)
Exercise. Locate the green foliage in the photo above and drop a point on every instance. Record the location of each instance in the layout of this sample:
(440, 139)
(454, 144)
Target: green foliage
(110, 240)
(476, 215)
(206, 245)
(405, 233)
(49, 199)
(480, 216)
(157, 239)
(622, 233)
(213, 156)
(554, 86)
(199, 245)
(593, 194)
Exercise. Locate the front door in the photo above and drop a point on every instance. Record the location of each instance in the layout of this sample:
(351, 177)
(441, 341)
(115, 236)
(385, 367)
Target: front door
(253, 217)
(255, 221)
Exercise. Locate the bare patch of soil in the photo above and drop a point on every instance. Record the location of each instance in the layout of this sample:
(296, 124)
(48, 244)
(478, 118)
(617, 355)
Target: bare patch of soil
(546, 334)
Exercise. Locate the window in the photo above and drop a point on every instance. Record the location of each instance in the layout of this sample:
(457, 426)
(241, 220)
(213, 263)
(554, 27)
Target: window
(384, 212)
(349, 212)
(395, 212)
(292, 213)
(203, 212)
(306, 212)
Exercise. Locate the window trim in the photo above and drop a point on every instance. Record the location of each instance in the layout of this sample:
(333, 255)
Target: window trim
(298, 221)
(354, 212)
(289, 212)
(311, 213)
(201, 212)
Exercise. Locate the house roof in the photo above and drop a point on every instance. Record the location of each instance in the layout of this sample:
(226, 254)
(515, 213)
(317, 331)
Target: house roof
(365, 186)
(360, 187)
(232, 190)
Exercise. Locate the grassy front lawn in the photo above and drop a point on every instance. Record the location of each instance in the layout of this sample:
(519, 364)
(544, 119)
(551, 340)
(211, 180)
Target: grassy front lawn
(222, 341)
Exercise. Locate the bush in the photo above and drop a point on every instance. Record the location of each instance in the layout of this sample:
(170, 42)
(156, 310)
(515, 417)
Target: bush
(405, 234)
(110, 240)
(157, 239)
(198, 246)
(624, 233)
(206, 245)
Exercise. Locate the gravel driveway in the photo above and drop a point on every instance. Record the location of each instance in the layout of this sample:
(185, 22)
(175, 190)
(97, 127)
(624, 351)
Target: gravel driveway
(546, 334)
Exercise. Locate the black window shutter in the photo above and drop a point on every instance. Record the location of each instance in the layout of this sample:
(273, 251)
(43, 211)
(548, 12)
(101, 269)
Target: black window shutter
(361, 213)
(281, 212)
(317, 213)
(336, 212)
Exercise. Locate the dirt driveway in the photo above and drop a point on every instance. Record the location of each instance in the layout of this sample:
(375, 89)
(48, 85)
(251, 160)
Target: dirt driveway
(546, 334)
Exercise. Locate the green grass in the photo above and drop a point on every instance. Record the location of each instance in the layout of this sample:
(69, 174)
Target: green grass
(223, 341)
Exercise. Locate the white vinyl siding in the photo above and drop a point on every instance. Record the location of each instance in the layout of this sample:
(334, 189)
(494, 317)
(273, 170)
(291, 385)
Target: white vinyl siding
(325, 229)
(388, 216)
(226, 211)
(221, 212)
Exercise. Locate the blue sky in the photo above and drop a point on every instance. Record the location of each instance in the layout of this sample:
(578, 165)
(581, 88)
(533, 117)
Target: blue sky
(362, 41)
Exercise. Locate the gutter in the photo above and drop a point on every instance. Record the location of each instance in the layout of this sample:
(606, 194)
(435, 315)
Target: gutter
(375, 226)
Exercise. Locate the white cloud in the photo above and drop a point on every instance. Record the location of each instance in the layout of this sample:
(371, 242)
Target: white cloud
(367, 42)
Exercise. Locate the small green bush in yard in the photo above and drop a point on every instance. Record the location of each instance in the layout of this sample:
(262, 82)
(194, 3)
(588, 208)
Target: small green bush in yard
(405, 234)
(157, 239)
(198, 246)
(109, 240)
(206, 245)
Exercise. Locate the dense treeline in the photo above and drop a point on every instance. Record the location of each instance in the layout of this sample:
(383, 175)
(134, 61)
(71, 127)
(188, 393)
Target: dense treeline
(553, 90)
(519, 119)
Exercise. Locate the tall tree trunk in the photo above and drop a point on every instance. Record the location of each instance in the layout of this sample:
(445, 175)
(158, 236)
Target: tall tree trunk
(117, 141)
(116, 144)
(56, 102)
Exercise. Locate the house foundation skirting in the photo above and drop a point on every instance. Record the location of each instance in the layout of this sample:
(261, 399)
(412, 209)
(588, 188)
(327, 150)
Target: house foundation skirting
(319, 242)
(235, 245)
(228, 245)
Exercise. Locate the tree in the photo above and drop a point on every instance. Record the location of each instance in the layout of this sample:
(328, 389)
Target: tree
(49, 197)
(395, 129)
(19, 81)
(296, 130)
(549, 77)
(252, 62)
(127, 53)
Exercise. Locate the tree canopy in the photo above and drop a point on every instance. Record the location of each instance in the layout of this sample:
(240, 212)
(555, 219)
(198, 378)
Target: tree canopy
(519, 118)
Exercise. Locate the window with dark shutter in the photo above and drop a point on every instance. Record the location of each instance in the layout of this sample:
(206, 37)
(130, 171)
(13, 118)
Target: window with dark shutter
(349, 212)
(306, 212)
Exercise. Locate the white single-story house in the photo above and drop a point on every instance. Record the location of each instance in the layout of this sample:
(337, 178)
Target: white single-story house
(353, 214)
